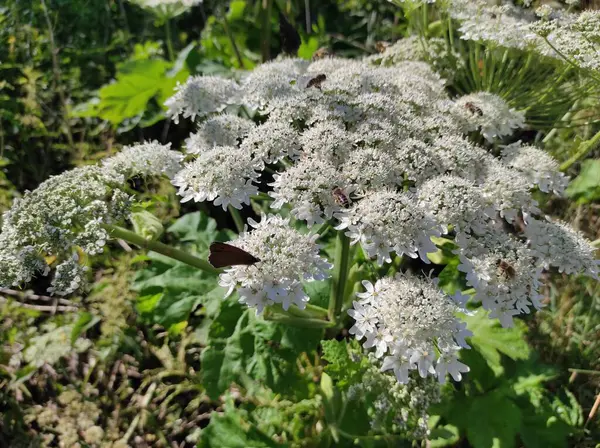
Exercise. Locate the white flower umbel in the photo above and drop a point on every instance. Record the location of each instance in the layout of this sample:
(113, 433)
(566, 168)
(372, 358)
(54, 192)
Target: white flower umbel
(509, 191)
(220, 130)
(272, 141)
(287, 258)
(462, 158)
(386, 221)
(64, 211)
(504, 273)
(558, 244)
(145, 159)
(410, 321)
(538, 166)
(223, 174)
(455, 201)
(308, 187)
(69, 277)
(487, 113)
(167, 9)
(202, 95)
(272, 80)
(329, 140)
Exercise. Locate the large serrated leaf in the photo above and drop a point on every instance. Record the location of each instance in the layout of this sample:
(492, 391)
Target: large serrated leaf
(264, 351)
(492, 340)
(586, 186)
(232, 431)
(170, 290)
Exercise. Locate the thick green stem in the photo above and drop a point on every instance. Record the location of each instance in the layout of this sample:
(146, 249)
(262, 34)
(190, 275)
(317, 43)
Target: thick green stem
(237, 219)
(584, 149)
(301, 322)
(158, 247)
(340, 275)
(170, 51)
(267, 6)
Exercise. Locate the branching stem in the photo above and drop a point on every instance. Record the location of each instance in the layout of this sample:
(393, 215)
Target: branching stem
(161, 248)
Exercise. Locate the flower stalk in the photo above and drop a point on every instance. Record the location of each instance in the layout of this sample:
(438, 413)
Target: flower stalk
(237, 219)
(584, 149)
(340, 275)
(161, 248)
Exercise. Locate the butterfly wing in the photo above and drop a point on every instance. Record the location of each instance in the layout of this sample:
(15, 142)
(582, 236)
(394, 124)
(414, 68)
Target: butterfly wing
(222, 254)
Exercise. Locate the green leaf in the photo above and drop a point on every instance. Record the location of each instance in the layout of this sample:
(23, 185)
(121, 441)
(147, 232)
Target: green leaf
(447, 435)
(318, 292)
(199, 229)
(345, 361)
(84, 323)
(498, 420)
(170, 290)
(492, 340)
(308, 48)
(586, 186)
(265, 351)
(232, 431)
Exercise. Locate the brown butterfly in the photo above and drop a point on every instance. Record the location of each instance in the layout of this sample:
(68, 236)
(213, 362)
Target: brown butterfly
(222, 255)
(317, 81)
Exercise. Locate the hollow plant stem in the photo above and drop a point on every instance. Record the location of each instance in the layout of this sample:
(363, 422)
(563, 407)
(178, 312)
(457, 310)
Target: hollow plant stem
(585, 148)
(301, 322)
(340, 275)
(237, 219)
(170, 51)
(161, 248)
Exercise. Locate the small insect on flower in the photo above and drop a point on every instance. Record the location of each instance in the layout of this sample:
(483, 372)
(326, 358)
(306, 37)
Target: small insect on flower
(505, 269)
(473, 109)
(316, 81)
(321, 53)
(222, 255)
(340, 197)
(381, 46)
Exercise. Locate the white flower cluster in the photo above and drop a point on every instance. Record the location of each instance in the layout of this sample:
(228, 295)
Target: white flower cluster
(201, 95)
(412, 323)
(386, 222)
(70, 211)
(167, 8)
(145, 159)
(287, 258)
(540, 169)
(436, 51)
(487, 113)
(382, 153)
(574, 36)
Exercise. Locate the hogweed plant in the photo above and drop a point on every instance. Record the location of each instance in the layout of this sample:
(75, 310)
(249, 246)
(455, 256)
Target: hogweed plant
(378, 154)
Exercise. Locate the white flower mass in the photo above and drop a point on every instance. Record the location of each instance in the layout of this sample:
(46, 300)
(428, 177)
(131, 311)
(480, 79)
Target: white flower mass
(375, 148)
(287, 258)
(379, 150)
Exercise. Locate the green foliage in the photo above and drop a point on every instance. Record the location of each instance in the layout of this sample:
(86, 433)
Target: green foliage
(137, 96)
(504, 399)
(170, 290)
(586, 186)
(241, 344)
(343, 363)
